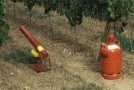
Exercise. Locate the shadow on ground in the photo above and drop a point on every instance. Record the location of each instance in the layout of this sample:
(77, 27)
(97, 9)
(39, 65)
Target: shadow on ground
(85, 87)
(19, 55)
(58, 36)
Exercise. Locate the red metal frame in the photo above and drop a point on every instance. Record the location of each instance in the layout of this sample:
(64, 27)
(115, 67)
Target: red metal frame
(39, 67)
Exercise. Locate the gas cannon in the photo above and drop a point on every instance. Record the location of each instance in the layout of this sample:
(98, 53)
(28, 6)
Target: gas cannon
(43, 63)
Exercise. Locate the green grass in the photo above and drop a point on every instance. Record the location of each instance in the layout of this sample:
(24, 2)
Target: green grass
(125, 43)
(8, 39)
(40, 16)
(18, 56)
(22, 12)
(86, 87)
(96, 37)
(34, 13)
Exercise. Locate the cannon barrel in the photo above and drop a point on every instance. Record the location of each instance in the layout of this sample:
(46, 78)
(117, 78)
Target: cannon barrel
(27, 34)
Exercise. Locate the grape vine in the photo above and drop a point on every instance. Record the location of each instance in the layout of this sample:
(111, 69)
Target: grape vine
(74, 10)
(111, 11)
(14, 1)
(4, 28)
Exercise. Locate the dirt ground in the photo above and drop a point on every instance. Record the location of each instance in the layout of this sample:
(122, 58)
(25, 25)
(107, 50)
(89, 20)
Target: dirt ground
(69, 69)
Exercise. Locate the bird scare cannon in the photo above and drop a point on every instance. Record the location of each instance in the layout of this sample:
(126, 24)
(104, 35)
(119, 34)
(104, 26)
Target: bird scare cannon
(111, 58)
(43, 64)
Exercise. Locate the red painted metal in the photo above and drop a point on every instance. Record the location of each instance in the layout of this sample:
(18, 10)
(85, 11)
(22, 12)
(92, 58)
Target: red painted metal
(39, 67)
(111, 59)
(27, 34)
(111, 38)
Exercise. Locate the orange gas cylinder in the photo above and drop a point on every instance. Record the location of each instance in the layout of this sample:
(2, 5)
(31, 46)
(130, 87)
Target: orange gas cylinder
(111, 59)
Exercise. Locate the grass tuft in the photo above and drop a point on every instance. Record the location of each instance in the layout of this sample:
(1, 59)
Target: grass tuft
(86, 87)
(127, 44)
(18, 56)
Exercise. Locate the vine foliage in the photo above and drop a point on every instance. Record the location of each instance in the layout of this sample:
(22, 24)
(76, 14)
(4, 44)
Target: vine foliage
(4, 28)
(74, 10)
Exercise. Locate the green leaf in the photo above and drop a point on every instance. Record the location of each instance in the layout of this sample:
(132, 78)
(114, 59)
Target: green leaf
(112, 15)
(109, 9)
(6, 27)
